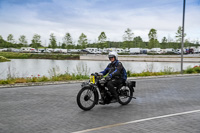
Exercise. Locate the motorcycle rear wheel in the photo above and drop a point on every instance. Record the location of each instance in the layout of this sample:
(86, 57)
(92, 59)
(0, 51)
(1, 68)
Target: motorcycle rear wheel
(86, 99)
(125, 95)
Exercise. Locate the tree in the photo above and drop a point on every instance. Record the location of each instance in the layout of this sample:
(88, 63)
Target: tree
(102, 37)
(153, 42)
(197, 42)
(1, 38)
(179, 34)
(102, 40)
(82, 40)
(152, 34)
(128, 38)
(187, 43)
(128, 35)
(52, 41)
(63, 46)
(67, 40)
(138, 42)
(22, 40)
(36, 42)
(164, 42)
(2, 42)
(10, 38)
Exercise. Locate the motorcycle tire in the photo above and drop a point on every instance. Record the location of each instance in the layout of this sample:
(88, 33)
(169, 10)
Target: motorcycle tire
(125, 95)
(86, 98)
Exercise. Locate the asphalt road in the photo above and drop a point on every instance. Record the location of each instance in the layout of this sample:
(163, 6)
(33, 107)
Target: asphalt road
(163, 105)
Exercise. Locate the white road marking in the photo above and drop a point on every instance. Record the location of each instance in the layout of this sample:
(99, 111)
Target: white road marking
(136, 121)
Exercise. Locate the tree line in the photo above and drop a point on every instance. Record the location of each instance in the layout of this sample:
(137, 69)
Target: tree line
(129, 41)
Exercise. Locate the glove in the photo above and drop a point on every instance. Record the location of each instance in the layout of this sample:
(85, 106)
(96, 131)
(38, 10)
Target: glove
(100, 74)
(107, 78)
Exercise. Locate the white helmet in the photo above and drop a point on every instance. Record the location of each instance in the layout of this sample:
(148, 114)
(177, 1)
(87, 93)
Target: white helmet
(113, 54)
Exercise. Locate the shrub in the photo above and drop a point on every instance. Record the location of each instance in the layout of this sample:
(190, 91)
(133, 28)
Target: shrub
(128, 73)
(190, 70)
(43, 79)
(196, 69)
(3, 82)
(20, 80)
(168, 70)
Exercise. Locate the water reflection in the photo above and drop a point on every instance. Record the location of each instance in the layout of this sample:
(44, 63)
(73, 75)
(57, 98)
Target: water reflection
(29, 67)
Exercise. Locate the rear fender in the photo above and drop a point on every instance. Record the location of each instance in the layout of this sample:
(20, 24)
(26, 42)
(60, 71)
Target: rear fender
(131, 84)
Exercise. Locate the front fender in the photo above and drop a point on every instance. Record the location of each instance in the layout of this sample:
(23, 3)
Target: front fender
(85, 84)
(93, 88)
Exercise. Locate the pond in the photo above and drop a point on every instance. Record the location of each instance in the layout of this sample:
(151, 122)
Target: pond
(40, 67)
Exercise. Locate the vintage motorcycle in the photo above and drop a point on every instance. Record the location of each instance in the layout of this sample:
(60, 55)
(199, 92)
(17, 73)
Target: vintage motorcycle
(95, 90)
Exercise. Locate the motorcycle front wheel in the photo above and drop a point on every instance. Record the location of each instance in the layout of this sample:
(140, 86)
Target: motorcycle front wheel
(125, 95)
(86, 98)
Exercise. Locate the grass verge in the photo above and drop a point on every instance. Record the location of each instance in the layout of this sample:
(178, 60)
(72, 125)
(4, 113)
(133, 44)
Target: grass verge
(67, 76)
(13, 55)
(3, 59)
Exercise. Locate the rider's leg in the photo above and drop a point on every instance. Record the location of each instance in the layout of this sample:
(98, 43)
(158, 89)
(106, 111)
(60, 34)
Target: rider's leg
(111, 84)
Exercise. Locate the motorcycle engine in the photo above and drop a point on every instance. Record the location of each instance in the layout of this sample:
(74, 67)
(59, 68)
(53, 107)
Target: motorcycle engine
(107, 97)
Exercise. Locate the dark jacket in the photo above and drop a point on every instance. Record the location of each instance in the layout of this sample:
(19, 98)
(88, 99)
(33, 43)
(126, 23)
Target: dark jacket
(114, 69)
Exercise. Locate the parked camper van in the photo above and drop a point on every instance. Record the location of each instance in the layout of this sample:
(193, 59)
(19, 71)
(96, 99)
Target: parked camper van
(49, 50)
(134, 50)
(73, 50)
(168, 50)
(178, 51)
(144, 51)
(120, 50)
(156, 50)
(93, 50)
(25, 49)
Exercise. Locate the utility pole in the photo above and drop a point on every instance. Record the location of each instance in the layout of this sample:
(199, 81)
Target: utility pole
(182, 44)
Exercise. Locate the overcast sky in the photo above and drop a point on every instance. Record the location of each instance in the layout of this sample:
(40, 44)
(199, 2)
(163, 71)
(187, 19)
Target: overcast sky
(91, 17)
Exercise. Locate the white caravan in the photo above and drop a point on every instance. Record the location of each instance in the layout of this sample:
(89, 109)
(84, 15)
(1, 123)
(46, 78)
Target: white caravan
(156, 50)
(93, 50)
(25, 49)
(120, 50)
(134, 50)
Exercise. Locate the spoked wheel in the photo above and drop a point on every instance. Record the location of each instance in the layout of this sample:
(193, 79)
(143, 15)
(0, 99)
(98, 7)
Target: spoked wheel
(86, 98)
(125, 95)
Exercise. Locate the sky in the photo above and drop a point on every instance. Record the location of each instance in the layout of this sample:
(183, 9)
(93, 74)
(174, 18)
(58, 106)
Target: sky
(91, 17)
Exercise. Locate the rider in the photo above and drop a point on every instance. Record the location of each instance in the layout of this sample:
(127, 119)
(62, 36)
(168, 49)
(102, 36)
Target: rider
(114, 72)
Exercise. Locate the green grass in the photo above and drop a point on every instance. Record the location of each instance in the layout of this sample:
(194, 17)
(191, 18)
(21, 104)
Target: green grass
(67, 76)
(13, 55)
(83, 71)
(60, 77)
(3, 59)
(166, 71)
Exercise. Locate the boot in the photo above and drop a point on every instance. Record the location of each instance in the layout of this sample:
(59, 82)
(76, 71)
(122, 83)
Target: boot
(114, 99)
(101, 101)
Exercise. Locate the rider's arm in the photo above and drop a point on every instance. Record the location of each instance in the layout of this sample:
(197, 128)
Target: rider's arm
(106, 70)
